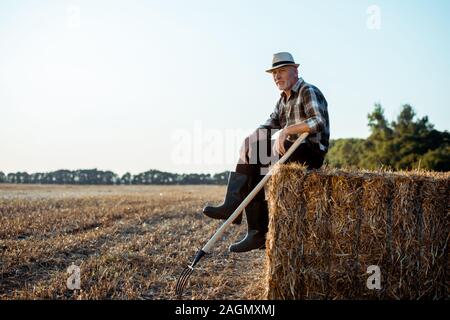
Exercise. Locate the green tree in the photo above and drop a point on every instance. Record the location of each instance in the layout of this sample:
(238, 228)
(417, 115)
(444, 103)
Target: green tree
(377, 147)
(126, 178)
(437, 159)
(346, 153)
(2, 177)
(415, 139)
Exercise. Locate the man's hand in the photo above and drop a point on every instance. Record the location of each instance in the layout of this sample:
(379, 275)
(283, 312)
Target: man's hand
(278, 146)
(298, 128)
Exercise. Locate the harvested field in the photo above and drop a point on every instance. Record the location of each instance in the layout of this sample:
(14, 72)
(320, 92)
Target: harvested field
(130, 242)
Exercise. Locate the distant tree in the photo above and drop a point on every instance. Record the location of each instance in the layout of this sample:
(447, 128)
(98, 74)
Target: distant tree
(62, 177)
(377, 149)
(11, 178)
(36, 177)
(23, 177)
(109, 177)
(126, 178)
(346, 153)
(221, 178)
(437, 159)
(415, 139)
(410, 138)
(2, 177)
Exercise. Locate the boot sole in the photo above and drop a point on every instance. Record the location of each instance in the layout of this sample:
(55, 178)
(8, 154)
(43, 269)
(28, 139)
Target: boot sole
(262, 247)
(237, 221)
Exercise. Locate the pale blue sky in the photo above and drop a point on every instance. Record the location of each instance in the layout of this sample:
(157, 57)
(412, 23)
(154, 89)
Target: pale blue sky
(113, 84)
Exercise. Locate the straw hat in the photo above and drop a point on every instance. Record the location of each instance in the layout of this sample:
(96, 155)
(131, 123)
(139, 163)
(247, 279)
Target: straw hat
(282, 59)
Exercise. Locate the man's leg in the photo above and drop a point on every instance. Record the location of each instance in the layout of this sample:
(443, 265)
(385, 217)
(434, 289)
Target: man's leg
(240, 183)
(257, 211)
(307, 154)
(237, 190)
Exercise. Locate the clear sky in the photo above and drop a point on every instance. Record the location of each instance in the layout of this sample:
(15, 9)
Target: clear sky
(174, 85)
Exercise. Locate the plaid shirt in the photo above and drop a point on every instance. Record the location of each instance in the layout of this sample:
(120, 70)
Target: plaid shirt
(305, 105)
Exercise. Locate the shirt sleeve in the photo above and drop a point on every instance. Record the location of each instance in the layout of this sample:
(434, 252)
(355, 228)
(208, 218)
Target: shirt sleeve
(314, 107)
(274, 120)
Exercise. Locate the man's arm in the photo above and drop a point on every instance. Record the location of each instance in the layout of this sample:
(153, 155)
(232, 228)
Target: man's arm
(314, 109)
(298, 128)
(314, 123)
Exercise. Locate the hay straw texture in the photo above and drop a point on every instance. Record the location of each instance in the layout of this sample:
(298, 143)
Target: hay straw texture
(327, 227)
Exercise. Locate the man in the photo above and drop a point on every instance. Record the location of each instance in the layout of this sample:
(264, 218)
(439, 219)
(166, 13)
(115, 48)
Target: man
(301, 108)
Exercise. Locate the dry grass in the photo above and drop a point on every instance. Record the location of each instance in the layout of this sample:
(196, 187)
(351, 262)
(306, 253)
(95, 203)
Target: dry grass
(131, 242)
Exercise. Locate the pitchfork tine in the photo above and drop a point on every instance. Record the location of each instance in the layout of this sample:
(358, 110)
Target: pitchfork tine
(183, 281)
(185, 275)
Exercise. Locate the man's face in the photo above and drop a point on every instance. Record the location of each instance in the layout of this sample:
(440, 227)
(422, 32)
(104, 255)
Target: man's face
(285, 77)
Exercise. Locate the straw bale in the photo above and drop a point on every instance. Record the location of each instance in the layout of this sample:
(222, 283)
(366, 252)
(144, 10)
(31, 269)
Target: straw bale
(328, 226)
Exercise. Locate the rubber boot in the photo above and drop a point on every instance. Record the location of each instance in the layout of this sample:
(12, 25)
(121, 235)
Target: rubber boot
(257, 214)
(237, 190)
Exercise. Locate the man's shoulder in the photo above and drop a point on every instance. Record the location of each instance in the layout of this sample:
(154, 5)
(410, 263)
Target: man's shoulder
(306, 89)
(306, 86)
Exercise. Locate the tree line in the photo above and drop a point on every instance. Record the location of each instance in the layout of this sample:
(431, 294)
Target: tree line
(406, 143)
(94, 176)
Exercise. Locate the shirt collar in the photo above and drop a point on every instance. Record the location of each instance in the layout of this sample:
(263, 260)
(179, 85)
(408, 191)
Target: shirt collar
(295, 88)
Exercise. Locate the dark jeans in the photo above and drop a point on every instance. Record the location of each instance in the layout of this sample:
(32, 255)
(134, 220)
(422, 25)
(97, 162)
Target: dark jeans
(306, 153)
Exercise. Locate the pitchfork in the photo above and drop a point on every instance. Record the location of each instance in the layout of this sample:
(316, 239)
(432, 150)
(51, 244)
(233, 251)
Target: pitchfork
(184, 277)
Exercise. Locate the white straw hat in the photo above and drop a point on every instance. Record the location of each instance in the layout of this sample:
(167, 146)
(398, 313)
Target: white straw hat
(282, 59)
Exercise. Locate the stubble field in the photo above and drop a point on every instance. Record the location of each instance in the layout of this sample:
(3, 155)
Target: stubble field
(129, 242)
